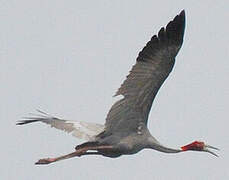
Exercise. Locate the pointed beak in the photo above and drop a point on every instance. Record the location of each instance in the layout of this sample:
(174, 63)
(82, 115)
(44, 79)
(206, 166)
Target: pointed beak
(207, 147)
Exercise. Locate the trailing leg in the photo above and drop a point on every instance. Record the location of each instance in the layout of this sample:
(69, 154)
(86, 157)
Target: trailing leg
(79, 152)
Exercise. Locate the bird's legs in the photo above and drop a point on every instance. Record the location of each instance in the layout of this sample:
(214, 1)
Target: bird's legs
(79, 152)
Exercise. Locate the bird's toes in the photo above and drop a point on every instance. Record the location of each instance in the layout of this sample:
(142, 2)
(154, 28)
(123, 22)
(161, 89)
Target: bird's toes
(45, 161)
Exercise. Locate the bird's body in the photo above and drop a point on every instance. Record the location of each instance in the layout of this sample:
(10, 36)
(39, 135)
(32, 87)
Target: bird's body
(125, 130)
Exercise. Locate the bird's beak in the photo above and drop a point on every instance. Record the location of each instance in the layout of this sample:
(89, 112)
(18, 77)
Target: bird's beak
(207, 147)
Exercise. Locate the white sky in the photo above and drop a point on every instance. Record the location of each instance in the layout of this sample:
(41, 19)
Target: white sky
(69, 57)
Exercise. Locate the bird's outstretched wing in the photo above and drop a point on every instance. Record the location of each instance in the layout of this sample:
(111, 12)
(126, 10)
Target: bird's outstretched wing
(154, 63)
(81, 130)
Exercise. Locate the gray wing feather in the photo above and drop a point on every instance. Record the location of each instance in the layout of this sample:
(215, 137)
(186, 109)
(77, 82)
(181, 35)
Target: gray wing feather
(154, 63)
(81, 130)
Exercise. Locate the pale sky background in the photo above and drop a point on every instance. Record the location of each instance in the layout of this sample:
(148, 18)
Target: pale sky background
(69, 57)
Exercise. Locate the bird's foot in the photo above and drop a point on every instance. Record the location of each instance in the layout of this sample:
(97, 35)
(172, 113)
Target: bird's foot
(45, 161)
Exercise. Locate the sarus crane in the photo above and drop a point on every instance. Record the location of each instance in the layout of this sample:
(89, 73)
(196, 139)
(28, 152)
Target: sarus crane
(125, 130)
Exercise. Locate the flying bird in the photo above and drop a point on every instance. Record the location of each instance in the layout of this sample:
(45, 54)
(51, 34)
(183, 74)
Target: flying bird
(125, 130)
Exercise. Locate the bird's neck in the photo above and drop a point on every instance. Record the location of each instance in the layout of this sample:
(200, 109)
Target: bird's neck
(162, 148)
(159, 147)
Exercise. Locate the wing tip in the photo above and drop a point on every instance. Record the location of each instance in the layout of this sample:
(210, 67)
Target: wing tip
(22, 122)
(180, 16)
(182, 13)
(175, 29)
(172, 34)
(35, 117)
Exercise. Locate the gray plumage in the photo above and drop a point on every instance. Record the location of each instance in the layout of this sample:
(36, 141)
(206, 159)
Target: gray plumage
(125, 130)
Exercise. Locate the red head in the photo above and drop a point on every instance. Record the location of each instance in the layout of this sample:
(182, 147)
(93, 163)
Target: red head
(194, 146)
(199, 146)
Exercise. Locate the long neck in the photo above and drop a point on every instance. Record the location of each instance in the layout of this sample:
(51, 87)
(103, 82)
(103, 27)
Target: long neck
(162, 148)
(157, 146)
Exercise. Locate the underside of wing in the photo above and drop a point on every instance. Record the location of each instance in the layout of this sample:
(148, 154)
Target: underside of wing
(81, 130)
(154, 63)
